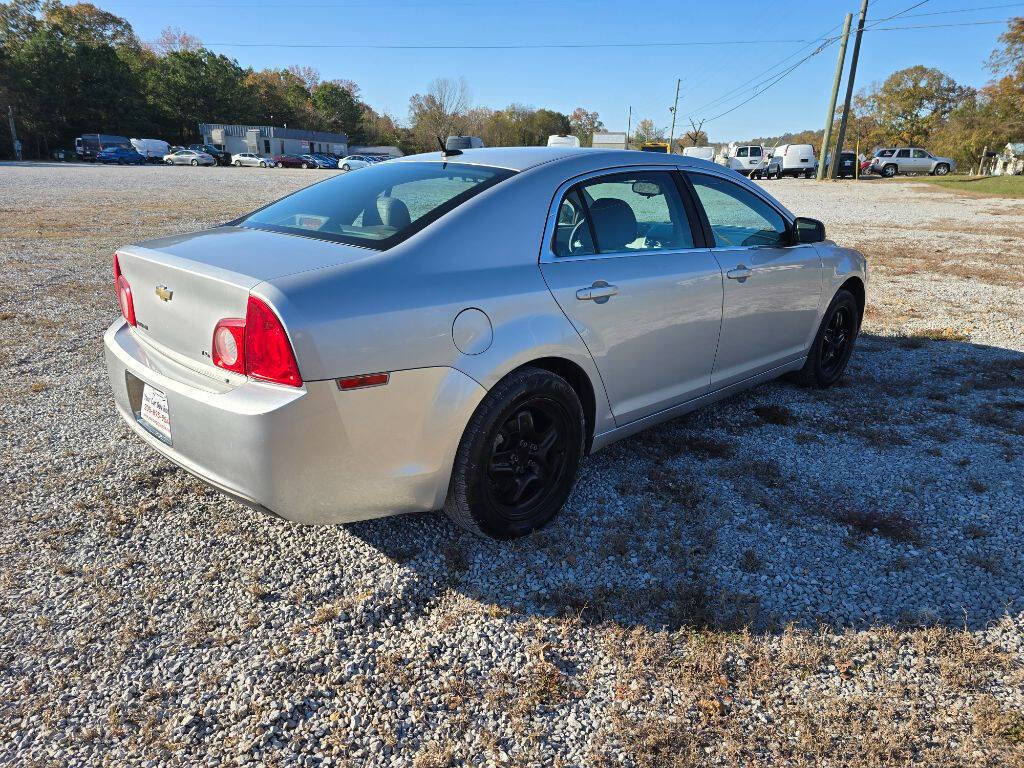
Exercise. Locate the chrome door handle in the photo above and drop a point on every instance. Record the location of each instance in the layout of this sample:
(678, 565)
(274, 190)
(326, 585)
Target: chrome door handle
(741, 273)
(600, 292)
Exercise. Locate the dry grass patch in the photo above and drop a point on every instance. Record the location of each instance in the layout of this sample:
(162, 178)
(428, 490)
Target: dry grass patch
(892, 525)
(775, 414)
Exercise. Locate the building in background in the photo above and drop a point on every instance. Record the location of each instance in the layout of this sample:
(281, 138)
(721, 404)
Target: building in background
(609, 140)
(272, 140)
(1009, 162)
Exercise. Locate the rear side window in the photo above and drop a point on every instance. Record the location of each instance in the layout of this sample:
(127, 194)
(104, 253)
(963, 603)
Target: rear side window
(755, 151)
(903, 153)
(737, 216)
(625, 212)
(378, 207)
(742, 151)
(886, 153)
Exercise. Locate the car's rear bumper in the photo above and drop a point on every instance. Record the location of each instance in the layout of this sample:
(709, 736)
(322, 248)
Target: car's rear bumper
(312, 454)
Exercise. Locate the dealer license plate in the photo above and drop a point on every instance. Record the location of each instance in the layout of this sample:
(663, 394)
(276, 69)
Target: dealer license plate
(155, 415)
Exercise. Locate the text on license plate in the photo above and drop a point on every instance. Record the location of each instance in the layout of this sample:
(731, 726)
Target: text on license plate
(154, 412)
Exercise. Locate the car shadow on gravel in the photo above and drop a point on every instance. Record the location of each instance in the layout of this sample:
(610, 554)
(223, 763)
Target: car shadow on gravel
(894, 497)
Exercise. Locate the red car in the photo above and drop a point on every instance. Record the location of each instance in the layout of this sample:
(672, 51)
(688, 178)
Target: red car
(288, 161)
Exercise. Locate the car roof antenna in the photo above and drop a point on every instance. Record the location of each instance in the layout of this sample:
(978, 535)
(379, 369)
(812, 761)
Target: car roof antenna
(445, 152)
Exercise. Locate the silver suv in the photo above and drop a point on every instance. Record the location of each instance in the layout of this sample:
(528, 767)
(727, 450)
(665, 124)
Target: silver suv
(889, 162)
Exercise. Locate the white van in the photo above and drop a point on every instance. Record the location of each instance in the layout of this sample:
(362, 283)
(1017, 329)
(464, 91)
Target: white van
(744, 158)
(792, 160)
(560, 140)
(154, 150)
(702, 153)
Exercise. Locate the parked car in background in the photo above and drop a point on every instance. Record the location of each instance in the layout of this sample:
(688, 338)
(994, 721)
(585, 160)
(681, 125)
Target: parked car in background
(847, 165)
(312, 161)
(154, 150)
(189, 157)
(744, 158)
(88, 144)
(289, 161)
(891, 161)
(326, 161)
(701, 153)
(249, 158)
(454, 372)
(792, 160)
(219, 155)
(463, 142)
(354, 162)
(120, 156)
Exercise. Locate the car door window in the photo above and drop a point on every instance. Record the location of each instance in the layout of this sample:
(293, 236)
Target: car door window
(737, 216)
(639, 211)
(742, 152)
(573, 235)
(920, 154)
(755, 151)
(903, 153)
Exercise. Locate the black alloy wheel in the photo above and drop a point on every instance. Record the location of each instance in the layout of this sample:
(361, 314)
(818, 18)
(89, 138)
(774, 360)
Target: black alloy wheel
(527, 457)
(517, 462)
(834, 342)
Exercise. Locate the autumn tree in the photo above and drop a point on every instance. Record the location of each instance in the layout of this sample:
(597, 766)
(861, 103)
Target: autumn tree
(440, 112)
(584, 125)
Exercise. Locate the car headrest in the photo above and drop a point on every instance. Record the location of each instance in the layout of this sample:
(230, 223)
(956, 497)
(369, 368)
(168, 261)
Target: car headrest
(614, 223)
(393, 212)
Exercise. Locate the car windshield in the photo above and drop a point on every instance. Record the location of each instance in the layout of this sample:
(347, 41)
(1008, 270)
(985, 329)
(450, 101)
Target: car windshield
(378, 207)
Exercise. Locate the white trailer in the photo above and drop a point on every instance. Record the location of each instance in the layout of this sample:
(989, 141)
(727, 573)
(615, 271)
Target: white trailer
(609, 140)
(154, 150)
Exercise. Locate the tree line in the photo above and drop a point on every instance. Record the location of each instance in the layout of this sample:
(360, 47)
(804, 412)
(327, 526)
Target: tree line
(73, 69)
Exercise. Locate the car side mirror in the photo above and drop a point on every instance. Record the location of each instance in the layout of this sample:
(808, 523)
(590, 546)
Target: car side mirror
(808, 230)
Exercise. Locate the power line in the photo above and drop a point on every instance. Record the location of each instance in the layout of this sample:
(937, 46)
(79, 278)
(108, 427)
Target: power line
(963, 10)
(937, 26)
(496, 46)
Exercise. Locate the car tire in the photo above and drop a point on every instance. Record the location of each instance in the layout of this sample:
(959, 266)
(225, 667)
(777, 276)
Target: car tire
(238, 163)
(890, 170)
(346, 167)
(941, 169)
(195, 162)
(505, 494)
(279, 165)
(169, 162)
(263, 164)
(833, 343)
(304, 166)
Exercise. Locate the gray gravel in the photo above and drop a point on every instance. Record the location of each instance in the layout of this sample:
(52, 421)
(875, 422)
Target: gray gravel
(794, 570)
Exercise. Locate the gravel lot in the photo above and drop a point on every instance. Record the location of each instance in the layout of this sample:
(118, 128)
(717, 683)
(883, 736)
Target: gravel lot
(798, 577)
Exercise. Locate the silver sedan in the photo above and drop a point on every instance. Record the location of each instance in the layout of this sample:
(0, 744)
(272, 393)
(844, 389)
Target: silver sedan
(459, 331)
(189, 157)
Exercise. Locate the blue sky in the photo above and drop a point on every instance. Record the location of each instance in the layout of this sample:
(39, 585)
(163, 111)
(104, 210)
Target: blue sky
(607, 80)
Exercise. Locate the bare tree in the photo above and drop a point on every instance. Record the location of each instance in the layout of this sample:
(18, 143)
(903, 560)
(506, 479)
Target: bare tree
(695, 137)
(441, 111)
(176, 39)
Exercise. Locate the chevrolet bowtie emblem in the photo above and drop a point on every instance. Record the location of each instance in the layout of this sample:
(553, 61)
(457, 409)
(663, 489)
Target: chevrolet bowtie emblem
(164, 292)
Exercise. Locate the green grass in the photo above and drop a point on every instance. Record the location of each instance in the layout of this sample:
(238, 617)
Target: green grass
(988, 186)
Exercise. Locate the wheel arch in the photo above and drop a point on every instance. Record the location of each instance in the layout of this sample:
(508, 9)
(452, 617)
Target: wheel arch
(578, 380)
(856, 286)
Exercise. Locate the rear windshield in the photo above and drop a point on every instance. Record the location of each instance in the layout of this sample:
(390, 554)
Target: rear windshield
(377, 206)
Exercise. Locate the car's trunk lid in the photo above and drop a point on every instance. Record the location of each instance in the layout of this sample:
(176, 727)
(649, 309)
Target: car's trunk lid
(183, 285)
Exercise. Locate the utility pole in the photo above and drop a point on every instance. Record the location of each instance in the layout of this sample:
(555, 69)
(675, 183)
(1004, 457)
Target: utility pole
(827, 138)
(14, 134)
(675, 106)
(629, 125)
(849, 89)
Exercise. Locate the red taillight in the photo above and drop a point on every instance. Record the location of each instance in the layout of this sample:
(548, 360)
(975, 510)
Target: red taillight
(256, 346)
(268, 353)
(124, 294)
(229, 344)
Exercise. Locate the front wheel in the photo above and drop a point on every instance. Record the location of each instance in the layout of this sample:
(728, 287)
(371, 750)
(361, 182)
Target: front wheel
(169, 162)
(517, 462)
(941, 169)
(238, 163)
(346, 167)
(280, 165)
(304, 166)
(833, 344)
(195, 162)
(889, 171)
(263, 165)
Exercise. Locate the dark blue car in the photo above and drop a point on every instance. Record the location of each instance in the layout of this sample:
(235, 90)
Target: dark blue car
(120, 155)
